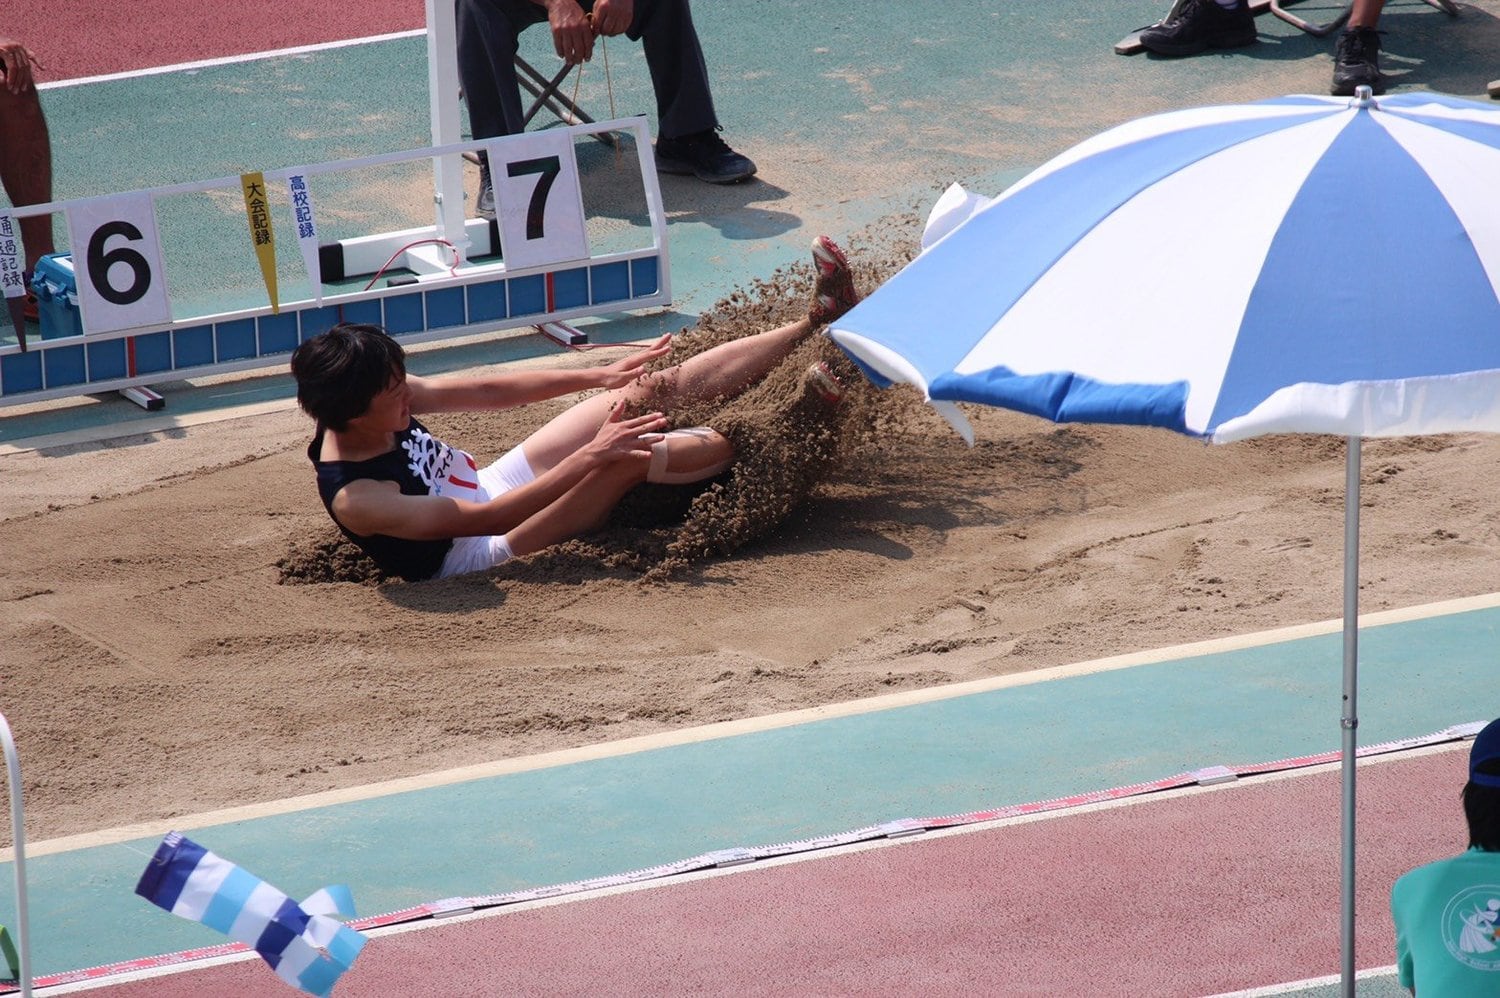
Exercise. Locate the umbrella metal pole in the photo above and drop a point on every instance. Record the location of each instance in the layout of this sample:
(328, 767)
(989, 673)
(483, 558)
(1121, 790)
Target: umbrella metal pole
(1350, 720)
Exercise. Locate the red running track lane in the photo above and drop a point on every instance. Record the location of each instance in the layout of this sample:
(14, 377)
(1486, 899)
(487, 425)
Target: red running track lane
(92, 37)
(1186, 895)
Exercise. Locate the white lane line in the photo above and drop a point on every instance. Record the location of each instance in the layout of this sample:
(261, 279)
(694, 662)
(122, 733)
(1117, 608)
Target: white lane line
(1332, 980)
(423, 924)
(229, 60)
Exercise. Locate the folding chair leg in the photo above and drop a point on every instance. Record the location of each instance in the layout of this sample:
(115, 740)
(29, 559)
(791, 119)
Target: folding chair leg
(546, 94)
(1446, 6)
(541, 88)
(1317, 30)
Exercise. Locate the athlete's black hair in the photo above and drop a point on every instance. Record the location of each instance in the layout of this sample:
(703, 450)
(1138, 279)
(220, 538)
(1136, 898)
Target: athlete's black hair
(339, 372)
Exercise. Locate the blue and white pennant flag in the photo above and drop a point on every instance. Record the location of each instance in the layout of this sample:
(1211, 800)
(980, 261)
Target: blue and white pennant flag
(306, 947)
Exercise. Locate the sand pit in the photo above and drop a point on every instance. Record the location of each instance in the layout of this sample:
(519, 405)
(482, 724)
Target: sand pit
(183, 631)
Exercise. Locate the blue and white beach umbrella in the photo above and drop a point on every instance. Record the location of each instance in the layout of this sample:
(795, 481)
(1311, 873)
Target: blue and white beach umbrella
(1298, 265)
(1305, 264)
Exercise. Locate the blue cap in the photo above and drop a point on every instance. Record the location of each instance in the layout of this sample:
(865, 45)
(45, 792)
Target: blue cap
(1486, 749)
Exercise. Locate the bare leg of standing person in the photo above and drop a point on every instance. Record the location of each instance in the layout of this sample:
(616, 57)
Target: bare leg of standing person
(1365, 13)
(25, 153)
(25, 167)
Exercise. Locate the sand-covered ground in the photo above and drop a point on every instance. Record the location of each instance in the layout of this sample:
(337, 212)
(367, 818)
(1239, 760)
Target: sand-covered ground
(180, 632)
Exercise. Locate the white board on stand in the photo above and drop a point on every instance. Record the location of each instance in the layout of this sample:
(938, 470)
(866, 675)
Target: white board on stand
(117, 257)
(538, 201)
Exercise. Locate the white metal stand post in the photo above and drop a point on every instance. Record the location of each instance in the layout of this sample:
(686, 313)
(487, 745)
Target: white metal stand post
(442, 98)
(18, 833)
(1350, 718)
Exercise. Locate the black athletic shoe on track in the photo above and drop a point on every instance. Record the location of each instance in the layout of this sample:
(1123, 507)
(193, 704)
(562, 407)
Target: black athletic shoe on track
(1356, 62)
(703, 155)
(1199, 25)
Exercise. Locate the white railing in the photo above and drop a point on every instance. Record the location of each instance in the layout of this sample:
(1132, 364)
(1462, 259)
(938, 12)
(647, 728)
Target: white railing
(18, 832)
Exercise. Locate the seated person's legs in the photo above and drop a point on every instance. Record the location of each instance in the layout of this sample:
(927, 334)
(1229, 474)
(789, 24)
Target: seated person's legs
(688, 139)
(487, 31)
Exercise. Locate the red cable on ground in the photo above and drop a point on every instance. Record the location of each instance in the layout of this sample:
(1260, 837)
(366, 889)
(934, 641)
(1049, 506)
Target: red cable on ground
(452, 270)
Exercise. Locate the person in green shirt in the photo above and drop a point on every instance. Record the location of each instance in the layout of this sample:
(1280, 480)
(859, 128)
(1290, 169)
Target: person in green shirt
(1447, 913)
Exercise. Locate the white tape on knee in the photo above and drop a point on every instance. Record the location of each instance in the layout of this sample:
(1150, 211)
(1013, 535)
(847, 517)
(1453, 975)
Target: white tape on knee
(661, 451)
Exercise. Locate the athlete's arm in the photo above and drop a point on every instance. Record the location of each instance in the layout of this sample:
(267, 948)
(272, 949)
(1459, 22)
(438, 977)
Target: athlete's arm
(371, 506)
(507, 389)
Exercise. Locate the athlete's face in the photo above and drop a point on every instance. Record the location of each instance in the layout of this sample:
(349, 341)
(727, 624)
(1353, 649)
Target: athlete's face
(389, 411)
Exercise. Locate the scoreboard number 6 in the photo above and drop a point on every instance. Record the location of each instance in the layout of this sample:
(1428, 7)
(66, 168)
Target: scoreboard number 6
(117, 260)
(101, 260)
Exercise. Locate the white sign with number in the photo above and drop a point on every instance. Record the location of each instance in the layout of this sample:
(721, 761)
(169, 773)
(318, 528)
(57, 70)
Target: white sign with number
(117, 257)
(538, 202)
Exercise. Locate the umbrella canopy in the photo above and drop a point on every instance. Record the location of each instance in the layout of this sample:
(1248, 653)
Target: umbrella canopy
(1304, 264)
(1299, 265)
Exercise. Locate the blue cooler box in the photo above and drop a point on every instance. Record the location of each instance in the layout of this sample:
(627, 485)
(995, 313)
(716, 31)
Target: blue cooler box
(56, 289)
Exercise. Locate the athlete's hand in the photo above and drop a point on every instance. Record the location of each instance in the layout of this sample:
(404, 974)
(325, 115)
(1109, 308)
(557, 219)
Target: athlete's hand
(622, 372)
(16, 60)
(621, 438)
(572, 35)
(613, 17)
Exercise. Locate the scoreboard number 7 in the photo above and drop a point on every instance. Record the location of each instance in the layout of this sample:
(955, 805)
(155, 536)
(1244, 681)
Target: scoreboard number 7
(538, 203)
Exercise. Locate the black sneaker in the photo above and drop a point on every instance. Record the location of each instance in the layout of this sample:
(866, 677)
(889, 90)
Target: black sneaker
(1199, 25)
(1356, 62)
(705, 156)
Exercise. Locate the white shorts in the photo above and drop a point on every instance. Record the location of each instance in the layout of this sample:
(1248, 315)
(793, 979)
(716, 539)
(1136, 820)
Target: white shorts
(472, 554)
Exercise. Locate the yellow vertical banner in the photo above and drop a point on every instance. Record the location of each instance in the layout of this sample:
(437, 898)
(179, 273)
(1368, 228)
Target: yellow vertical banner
(259, 214)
